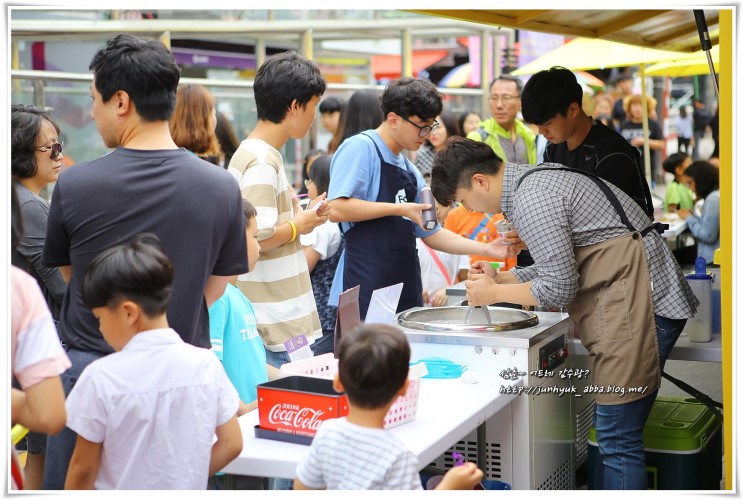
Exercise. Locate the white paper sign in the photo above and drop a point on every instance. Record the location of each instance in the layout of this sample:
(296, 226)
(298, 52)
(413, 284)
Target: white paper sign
(383, 305)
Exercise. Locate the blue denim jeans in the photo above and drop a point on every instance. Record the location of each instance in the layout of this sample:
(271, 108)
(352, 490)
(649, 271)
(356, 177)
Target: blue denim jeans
(59, 448)
(619, 428)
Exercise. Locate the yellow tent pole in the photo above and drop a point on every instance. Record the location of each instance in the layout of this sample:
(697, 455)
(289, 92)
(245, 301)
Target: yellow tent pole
(645, 128)
(727, 246)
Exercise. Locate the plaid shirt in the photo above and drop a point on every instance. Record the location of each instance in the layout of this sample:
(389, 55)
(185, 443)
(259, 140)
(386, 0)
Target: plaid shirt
(555, 212)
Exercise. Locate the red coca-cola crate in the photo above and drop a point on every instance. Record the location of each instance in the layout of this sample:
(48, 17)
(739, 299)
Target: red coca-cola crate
(298, 405)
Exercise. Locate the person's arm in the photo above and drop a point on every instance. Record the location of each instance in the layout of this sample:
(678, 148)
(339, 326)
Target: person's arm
(228, 446)
(84, 465)
(215, 287)
(313, 257)
(707, 227)
(482, 290)
(273, 372)
(356, 210)
(41, 407)
(66, 272)
(461, 477)
(32, 245)
(450, 242)
(304, 220)
(246, 407)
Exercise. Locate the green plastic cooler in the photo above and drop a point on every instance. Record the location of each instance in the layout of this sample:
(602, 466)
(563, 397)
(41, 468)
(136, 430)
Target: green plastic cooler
(683, 446)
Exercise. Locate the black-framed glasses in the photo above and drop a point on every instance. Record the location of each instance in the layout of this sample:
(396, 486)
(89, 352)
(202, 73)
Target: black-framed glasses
(425, 130)
(56, 150)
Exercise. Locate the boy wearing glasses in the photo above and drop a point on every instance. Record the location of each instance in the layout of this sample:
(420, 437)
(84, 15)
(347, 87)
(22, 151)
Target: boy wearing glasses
(509, 137)
(375, 192)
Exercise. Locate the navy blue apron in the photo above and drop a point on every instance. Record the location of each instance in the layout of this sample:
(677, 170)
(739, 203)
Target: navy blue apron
(381, 252)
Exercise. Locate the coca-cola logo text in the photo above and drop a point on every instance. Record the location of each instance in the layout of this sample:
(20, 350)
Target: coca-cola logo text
(295, 416)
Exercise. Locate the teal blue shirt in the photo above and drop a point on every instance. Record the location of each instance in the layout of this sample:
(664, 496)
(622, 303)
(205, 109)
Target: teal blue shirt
(236, 342)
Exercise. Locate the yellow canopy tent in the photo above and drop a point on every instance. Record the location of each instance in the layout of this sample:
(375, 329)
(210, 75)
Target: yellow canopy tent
(594, 53)
(588, 53)
(697, 64)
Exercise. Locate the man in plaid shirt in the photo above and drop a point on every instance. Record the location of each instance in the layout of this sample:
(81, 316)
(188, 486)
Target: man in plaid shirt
(597, 254)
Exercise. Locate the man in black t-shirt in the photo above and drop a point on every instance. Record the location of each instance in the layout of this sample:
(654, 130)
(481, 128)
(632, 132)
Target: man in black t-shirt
(146, 184)
(552, 100)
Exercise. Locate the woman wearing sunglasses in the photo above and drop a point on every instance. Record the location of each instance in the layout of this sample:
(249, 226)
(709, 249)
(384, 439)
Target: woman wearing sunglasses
(36, 159)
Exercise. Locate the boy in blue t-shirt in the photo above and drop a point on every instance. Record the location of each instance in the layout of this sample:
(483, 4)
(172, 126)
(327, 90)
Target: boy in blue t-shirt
(234, 336)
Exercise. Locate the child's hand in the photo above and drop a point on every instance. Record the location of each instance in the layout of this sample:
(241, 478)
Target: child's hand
(439, 298)
(309, 219)
(461, 477)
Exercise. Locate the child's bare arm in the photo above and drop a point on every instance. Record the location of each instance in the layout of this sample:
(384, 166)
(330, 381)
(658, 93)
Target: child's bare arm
(273, 372)
(40, 408)
(84, 465)
(461, 477)
(228, 446)
(246, 407)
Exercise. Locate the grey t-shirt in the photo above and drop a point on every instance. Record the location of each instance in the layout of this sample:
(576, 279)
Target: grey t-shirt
(194, 208)
(35, 212)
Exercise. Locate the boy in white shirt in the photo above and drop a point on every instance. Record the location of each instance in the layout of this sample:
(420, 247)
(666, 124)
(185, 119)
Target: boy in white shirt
(355, 452)
(146, 416)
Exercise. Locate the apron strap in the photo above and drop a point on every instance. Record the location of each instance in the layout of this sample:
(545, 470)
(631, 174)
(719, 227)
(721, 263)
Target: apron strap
(379, 153)
(609, 195)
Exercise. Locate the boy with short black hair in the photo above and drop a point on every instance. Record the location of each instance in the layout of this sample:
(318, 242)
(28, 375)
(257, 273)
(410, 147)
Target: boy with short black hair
(287, 89)
(355, 452)
(552, 99)
(375, 192)
(146, 415)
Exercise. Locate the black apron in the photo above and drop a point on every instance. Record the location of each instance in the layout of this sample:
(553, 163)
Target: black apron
(381, 252)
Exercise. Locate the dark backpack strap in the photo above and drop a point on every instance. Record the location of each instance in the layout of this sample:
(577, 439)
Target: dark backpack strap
(645, 187)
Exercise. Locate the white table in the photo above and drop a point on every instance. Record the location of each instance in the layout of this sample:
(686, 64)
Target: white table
(674, 229)
(448, 409)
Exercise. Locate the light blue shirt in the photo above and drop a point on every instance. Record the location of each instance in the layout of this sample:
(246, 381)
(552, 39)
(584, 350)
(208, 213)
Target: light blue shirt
(706, 228)
(355, 172)
(236, 342)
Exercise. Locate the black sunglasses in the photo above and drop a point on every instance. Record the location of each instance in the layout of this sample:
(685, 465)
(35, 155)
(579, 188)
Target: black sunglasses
(423, 131)
(56, 150)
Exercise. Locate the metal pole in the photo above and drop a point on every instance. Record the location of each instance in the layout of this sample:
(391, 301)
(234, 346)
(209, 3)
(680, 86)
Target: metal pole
(307, 48)
(39, 94)
(496, 57)
(645, 128)
(407, 53)
(706, 43)
(260, 53)
(485, 60)
(482, 448)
